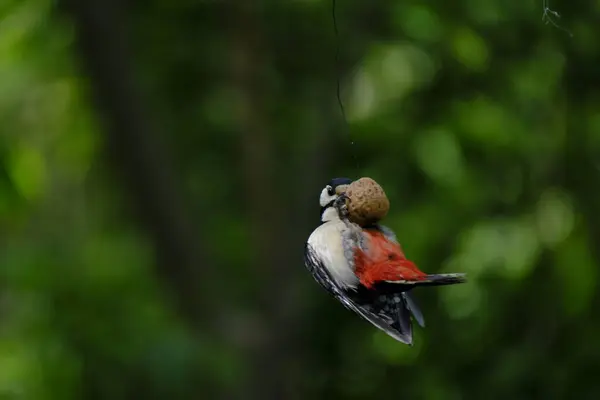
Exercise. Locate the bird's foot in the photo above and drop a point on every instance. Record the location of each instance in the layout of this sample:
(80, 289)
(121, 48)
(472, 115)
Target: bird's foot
(341, 205)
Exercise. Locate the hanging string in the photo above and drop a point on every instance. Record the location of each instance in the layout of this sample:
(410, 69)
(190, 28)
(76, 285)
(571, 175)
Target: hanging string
(337, 58)
(548, 17)
(338, 77)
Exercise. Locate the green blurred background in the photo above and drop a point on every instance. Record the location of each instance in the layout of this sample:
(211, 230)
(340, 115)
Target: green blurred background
(160, 166)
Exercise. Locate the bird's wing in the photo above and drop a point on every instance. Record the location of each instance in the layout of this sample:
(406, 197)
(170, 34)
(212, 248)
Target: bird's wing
(407, 271)
(382, 260)
(391, 313)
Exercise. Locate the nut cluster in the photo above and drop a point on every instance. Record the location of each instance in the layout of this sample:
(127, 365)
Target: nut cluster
(367, 202)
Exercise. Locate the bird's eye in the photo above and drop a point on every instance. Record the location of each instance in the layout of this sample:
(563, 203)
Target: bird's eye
(330, 190)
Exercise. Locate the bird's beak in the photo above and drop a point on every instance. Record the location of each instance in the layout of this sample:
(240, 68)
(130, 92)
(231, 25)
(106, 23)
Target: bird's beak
(341, 189)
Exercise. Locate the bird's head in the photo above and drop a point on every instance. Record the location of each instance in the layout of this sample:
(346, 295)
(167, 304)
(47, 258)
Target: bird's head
(329, 195)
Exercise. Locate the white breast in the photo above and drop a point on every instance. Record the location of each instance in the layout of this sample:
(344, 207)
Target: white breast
(326, 242)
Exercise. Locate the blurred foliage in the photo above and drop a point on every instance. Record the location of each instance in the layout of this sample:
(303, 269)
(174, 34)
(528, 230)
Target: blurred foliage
(481, 122)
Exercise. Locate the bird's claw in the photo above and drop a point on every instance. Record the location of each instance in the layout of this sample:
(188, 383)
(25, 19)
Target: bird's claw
(341, 205)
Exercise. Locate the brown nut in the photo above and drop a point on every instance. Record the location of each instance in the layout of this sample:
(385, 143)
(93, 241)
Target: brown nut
(367, 202)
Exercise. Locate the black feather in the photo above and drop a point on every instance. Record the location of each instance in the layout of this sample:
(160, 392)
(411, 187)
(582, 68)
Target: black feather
(335, 182)
(390, 312)
(394, 304)
(388, 305)
(414, 309)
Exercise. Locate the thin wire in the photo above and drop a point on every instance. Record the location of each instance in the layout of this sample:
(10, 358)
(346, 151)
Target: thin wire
(549, 15)
(338, 74)
(337, 57)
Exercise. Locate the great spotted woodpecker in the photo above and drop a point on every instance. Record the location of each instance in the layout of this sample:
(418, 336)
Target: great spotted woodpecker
(365, 267)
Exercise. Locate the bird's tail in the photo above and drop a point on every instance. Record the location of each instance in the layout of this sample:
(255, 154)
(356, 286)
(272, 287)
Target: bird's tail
(439, 280)
(393, 308)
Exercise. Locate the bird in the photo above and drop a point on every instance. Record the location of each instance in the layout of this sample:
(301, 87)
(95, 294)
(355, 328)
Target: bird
(365, 268)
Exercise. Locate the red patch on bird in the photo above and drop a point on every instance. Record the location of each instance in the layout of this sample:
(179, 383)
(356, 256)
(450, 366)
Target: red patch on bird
(383, 260)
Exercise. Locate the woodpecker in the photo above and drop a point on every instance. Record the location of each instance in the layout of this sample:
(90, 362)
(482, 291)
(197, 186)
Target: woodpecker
(365, 268)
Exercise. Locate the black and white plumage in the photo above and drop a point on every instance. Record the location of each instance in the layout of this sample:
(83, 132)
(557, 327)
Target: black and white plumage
(329, 257)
